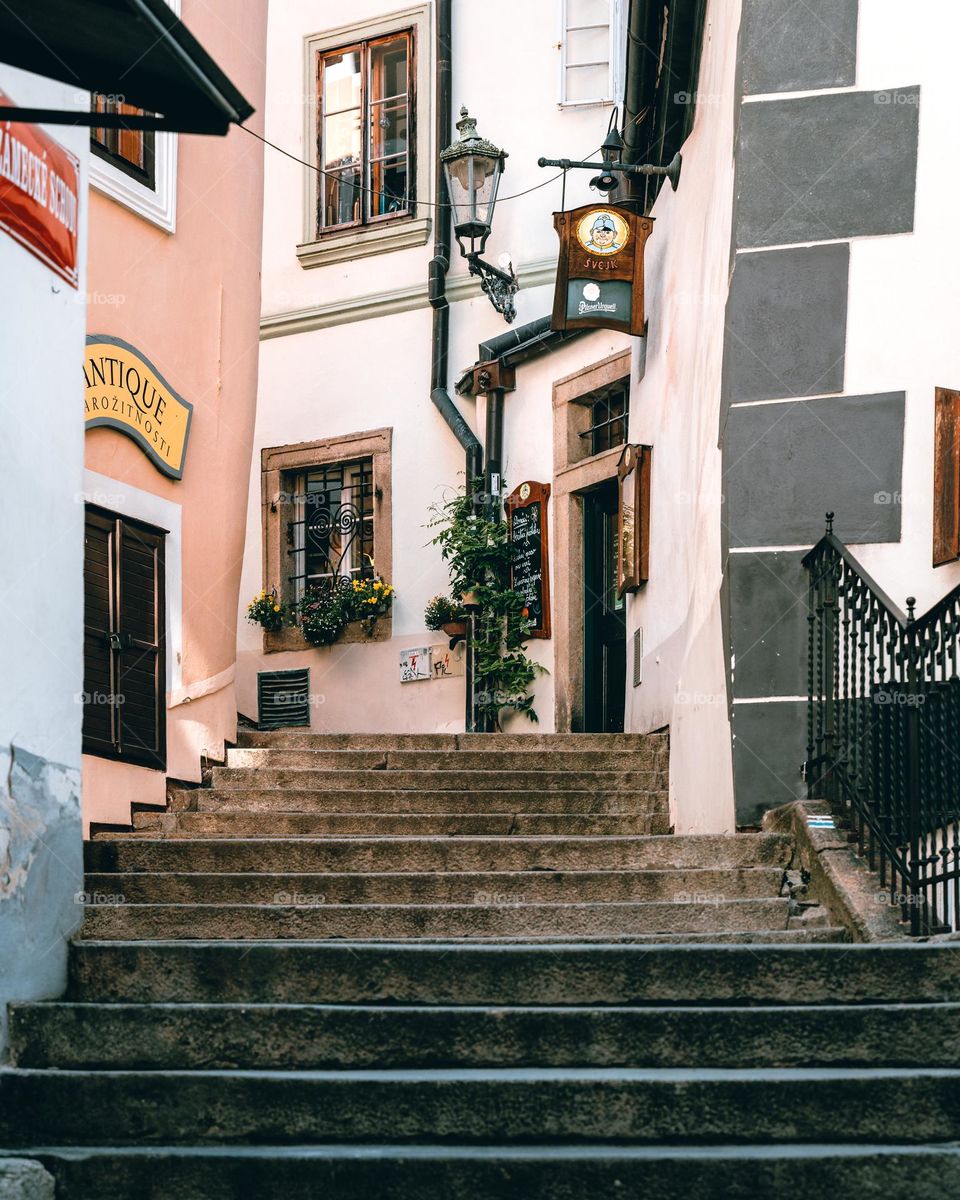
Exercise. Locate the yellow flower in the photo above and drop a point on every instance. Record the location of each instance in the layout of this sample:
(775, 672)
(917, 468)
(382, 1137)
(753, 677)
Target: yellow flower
(378, 584)
(276, 608)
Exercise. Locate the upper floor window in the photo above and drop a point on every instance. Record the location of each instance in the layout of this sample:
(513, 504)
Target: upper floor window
(609, 413)
(365, 132)
(130, 150)
(593, 51)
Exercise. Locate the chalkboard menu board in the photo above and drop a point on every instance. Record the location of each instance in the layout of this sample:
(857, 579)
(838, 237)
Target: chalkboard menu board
(530, 575)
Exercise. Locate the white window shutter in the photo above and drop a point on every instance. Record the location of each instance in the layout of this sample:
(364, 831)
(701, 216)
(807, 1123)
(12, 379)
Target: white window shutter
(592, 51)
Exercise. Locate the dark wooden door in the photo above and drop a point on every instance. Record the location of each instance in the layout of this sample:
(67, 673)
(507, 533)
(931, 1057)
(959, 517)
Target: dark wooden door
(124, 713)
(605, 629)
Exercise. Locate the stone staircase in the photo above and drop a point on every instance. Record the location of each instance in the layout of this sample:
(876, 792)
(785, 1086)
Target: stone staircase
(445, 968)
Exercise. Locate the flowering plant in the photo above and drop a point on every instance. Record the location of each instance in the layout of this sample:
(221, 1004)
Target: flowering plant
(372, 597)
(441, 611)
(323, 612)
(269, 611)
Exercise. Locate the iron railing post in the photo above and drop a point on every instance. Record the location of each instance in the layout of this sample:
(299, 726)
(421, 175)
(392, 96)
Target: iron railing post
(916, 894)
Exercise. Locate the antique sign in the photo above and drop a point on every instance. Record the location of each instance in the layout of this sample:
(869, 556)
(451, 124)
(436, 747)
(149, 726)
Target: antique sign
(39, 194)
(125, 391)
(415, 664)
(600, 270)
(633, 533)
(526, 508)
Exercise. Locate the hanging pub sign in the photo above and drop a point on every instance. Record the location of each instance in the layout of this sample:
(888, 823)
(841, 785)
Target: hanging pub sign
(526, 509)
(39, 194)
(123, 390)
(633, 525)
(600, 270)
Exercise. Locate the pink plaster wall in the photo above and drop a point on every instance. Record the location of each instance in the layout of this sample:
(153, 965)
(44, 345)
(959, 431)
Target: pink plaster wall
(190, 301)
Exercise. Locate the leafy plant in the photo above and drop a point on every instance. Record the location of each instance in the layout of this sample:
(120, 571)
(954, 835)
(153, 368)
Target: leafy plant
(372, 598)
(269, 611)
(324, 612)
(478, 553)
(441, 611)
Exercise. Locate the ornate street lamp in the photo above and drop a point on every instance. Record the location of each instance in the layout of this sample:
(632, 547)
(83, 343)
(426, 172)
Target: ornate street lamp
(472, 167)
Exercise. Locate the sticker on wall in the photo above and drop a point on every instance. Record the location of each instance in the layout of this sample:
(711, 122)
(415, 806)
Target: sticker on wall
(415, 664)
(446, 663)
(123, 390)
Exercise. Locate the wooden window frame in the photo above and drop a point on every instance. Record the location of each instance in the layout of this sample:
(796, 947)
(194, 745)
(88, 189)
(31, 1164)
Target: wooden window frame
(946, 476)
(277, 465)
(118, 750)
(616, 60)
(367, 218)
(145, 175)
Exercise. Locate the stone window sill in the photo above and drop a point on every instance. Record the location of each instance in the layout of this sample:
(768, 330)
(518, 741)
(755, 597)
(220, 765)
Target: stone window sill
(359, 243)
(292, 639)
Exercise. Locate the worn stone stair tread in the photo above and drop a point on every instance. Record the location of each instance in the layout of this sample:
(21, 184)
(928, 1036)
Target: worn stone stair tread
(403, 852)
(300, 738)
(562, 972)
(382, 920)
(637, 802)
(461, 887)
(641, 757)
(283, 1036)
(620, 779)
(653, 1105)
(380, 824)
(505, 1172)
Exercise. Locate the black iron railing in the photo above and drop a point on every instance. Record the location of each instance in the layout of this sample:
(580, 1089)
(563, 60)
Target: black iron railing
(883, 730)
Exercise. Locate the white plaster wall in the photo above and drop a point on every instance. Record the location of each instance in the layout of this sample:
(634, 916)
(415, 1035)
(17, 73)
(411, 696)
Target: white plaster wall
(675, 408)
(905, 290)
(376, 372)
(41, 587)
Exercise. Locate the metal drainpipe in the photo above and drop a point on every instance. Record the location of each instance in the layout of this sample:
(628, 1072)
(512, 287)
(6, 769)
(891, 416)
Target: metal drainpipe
(437, 292)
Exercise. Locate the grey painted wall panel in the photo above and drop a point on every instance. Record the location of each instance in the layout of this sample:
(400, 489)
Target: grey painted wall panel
(770, 743)
(787, 323)
(768, 595)
(786, 464)
(794, 47)
(826, 167)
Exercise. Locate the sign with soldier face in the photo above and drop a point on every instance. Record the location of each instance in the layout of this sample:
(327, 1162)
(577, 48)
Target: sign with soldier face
(600, 272)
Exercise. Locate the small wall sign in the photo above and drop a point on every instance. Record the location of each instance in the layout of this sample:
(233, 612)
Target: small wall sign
(446, 663)
(415, 664)
(600, 270)
(633, 532)
(526, 509)
(39, 194)
(126, 392)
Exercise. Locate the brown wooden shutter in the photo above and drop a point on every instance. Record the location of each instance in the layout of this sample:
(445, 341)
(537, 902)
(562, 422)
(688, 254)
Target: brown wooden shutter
(140, 675)
(124, 665)
(99, 683)
(946, 477)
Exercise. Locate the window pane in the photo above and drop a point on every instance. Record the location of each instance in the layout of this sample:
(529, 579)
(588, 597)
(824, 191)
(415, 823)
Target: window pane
(587, 83)
(342, 158)
(588, 46)
(388, 129)
(587, 12)
(388, 69)
(341, 81)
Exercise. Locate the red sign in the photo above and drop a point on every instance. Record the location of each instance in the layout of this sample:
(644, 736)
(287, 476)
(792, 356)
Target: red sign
(39, 194)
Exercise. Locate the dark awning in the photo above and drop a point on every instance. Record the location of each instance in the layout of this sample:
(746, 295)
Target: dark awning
(137, 49)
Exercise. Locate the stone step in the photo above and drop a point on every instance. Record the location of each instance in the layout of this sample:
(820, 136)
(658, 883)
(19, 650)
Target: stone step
(516, 853)
(434, 887)
(502, 1172)
(313, 919)
(290, 800)
(638, 1105)
(557, 974)
(617, 780)
(70, 1036)
(380, 824)
(643, 758)
(303, 739)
